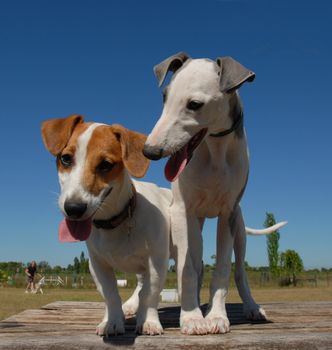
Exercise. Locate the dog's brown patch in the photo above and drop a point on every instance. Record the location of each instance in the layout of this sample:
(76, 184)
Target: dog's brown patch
(103, 146)
(119, 146)
(132, 144)
(57, 132)
(71, 146)
(113, 144)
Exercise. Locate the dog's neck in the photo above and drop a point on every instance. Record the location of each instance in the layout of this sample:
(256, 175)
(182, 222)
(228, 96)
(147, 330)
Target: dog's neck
(230, 119)
(117, 200)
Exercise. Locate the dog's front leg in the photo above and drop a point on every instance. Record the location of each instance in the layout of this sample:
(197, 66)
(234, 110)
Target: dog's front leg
(216, 315)
(104, 277)
(153, 280)
(187, 251)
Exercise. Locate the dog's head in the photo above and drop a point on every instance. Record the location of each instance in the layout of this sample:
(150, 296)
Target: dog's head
(196, 103)
(92, 161)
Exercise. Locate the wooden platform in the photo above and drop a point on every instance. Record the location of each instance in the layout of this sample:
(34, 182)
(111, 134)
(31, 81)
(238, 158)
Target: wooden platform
(71, 325)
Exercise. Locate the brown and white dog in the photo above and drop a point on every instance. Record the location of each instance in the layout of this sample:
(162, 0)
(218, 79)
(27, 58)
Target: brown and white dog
(125, 223)
(201, 130)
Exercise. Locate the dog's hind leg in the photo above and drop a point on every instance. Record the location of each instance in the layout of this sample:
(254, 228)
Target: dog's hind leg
(200, 272)
(130, 307)
(251, 309)
(153, 280)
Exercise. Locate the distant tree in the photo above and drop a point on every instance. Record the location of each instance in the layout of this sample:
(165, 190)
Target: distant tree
(57, 269)
(44, 267)
(77, 265)
(272, 241)
(207, 268)
(86, 266)
(84, 263)
(3, 276)
(82, 258)
(291, 263)
(214, 259)
(11, 267)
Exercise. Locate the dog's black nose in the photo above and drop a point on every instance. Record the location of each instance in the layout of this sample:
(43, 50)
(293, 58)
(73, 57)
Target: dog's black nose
(153, 153)
(75, 210)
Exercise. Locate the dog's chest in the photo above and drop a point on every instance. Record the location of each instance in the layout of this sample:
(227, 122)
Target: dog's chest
(121, 250)
(211, 185)
(206, 203)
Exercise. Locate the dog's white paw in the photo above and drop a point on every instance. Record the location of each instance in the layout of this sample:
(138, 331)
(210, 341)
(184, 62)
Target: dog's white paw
(110, 328)
(150, 328)
(194, 325)
(254, 312)
(217, 325)
(129, 309)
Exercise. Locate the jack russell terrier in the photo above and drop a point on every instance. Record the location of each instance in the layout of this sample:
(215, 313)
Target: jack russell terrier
(125, 223)
(201, 130)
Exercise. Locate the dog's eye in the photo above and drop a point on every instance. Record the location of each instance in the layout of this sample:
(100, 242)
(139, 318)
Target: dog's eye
(194, 105)
(104, 167)
(66, 160)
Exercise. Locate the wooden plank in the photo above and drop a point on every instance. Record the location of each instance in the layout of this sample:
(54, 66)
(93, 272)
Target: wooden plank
(71, 325)
(74, 305)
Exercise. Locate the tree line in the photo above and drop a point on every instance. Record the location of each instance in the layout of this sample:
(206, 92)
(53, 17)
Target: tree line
(80, 265)
(285, 265)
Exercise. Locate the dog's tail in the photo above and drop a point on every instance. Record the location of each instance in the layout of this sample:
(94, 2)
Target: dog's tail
(265, 231)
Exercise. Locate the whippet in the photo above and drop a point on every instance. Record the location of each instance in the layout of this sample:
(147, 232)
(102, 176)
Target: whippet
(125, 223)
(201, 129)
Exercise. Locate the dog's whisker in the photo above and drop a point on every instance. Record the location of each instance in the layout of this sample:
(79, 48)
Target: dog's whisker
(54, 192)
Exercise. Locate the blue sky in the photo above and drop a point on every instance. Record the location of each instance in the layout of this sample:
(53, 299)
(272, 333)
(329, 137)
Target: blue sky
(96, 58)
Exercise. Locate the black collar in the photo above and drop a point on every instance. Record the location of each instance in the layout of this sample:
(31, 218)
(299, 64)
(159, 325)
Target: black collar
(117, 220)
(236, 124)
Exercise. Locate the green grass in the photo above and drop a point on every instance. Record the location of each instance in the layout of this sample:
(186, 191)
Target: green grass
(14, 300)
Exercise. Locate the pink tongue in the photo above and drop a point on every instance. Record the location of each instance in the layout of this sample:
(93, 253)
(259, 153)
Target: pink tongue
(176, 164)
(74, 231)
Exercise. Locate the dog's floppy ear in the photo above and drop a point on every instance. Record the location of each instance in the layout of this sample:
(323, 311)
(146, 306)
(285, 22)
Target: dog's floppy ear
(57, 132)
(132, 144)
(233, 74)
(172, 63)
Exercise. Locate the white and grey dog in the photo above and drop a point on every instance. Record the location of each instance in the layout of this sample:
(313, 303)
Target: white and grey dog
(201, 130)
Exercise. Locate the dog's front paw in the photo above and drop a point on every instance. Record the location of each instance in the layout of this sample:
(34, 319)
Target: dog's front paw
(150, 328)
(110, 328)
(218, 324)
(254, 312)
(195, 325)
(129, 309)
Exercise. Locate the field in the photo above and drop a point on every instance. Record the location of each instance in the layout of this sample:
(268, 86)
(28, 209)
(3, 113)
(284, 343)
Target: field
(14, 300)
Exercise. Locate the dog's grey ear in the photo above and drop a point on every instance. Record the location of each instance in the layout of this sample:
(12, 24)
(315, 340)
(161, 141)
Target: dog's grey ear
(172, 63)
(233, 74)
(57, 132)
(132, 144)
